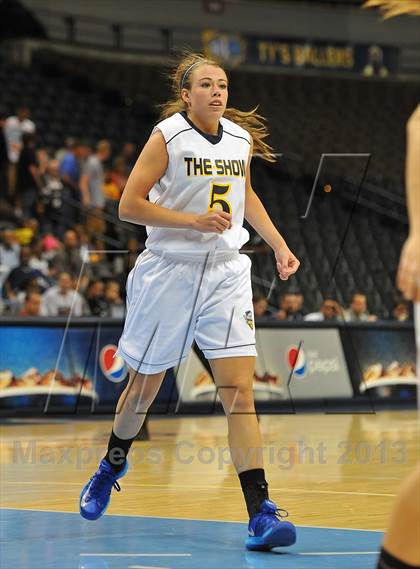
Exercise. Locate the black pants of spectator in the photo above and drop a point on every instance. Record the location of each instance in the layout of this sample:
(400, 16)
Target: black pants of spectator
(52, 222)
(4, 185)
(71, 208)
(28, 202)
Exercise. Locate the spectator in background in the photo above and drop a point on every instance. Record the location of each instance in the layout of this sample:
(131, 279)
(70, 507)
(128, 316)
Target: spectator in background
(99, 265)
(14, 128)
(9, 250)
(9, 254)
(69, 257)
(401, 312)
(43, 160)
(358, 311)
(61, 299)
(4, 160)
(28, 231)
(91, 185)
(95, 296)
(129, 153)
(70, 170)
(19, 277)
(38, 260)
(32, 304)
(290, 307)
(61, 152)
(260, 304)
(116, 306)
(110, 189)
(29, 182)
(329, 311)
(119, 174)
(85, 242)
(115, 181)
(52, 200)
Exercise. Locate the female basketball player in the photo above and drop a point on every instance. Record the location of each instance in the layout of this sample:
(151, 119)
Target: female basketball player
(192, 283)
(401, 547)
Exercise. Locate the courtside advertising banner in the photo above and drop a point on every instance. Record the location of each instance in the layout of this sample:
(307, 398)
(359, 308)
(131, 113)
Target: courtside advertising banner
(51, 367)
(293, 363)
(384, 364)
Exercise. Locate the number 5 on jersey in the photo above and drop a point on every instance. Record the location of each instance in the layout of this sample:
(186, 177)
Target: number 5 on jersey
(216, 199)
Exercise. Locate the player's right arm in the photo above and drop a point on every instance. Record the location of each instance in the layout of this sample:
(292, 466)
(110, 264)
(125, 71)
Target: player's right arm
(135, 208)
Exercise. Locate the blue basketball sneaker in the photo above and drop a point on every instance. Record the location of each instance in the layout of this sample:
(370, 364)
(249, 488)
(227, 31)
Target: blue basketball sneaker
(266, 530)
(95, 496)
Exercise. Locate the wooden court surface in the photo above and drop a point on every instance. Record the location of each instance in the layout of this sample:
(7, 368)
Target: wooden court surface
(339, 471)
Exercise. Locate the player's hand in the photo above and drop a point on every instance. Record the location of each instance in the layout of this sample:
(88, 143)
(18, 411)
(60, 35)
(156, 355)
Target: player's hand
(215, 221)
(287, 263)
(408, 276)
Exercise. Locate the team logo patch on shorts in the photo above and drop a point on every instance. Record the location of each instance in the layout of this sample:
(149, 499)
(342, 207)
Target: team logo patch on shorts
(248, 319)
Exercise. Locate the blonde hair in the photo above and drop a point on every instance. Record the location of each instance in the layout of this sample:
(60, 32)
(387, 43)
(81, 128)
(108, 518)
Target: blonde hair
(391, 8)
(251, 121)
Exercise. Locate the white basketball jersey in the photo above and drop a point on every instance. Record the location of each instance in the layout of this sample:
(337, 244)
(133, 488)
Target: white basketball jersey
(205, 172)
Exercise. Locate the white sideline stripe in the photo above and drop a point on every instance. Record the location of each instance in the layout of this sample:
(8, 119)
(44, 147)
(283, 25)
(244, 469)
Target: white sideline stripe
(135, 554)
(175, 518)
(182, 487)
(341, 553)
(146, 567)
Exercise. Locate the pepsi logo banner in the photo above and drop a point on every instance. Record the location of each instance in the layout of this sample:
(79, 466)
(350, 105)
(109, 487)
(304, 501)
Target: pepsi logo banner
(112, 366)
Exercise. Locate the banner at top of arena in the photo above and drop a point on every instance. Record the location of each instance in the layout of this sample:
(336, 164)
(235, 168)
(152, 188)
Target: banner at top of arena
(235, 49)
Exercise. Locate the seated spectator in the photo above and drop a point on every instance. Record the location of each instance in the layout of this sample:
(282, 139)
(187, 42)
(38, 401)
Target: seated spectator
(116, 306)
(329, 310)
(32, 304)
(19, 301)
(51, 246)
(111, 191)
(19, 277)
(95, 296)
(69, 257)
(260, 304)
(98, 261)
(402, 312)
(358, 311)
(9, 250)
(7, 213)
(61, 299)
(290, 307)
(38, 260)
(28, 231)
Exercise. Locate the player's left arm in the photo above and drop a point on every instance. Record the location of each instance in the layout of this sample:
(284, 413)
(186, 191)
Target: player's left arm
(408, 277)
(257, 216)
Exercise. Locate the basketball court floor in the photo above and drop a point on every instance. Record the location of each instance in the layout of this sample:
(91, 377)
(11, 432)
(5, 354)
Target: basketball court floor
(181, 506)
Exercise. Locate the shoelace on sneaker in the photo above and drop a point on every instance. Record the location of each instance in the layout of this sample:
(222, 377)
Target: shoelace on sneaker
(99, 481)
(281, 513)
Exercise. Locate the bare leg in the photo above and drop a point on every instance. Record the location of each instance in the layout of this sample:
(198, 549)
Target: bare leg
(402, 540)
(234, 380)
(134, 402)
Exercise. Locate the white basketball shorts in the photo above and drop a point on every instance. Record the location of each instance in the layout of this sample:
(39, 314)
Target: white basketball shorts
(172, 301)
